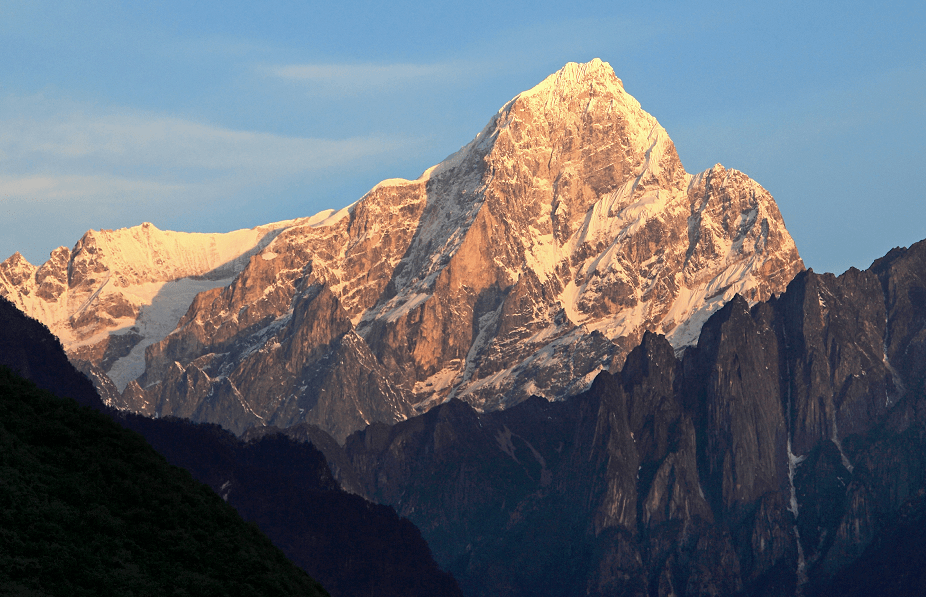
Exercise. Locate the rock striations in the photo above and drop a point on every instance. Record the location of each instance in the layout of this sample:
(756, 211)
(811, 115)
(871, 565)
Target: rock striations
(783, 455)
(524, 264)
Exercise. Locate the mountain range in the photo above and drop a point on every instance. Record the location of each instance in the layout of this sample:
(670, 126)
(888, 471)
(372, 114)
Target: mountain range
(524, 264)
(576, 368)
(763, 462)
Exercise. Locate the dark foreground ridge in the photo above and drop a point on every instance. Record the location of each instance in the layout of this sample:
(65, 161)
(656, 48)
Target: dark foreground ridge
(352, 546)
(88, 508)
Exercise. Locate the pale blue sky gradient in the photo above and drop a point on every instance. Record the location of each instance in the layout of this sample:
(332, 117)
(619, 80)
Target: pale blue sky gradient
(212, 116)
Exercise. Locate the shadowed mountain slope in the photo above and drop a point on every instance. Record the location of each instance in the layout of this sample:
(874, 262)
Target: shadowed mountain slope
(284, 487)
(353, 547)
(782, 454)
(89, 508)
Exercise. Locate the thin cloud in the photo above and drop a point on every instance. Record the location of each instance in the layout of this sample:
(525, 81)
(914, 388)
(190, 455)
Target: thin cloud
(67, 166)
(47, 152)
(354, 78)
(169, 143)
(70, 188)
(376, 72)
(69, 174)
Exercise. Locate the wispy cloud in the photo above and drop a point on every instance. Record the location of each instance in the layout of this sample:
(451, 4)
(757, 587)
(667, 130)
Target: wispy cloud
(67, 167)
(66, 188)
(368, 72)
(86, 153)
(173, 143)
(354, 78)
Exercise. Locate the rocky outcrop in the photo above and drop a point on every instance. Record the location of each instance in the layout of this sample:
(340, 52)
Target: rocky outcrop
(776, 457)
(319, 371)
(524, 264)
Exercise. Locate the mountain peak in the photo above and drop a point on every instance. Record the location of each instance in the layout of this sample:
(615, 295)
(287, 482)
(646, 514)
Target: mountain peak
(17, 259)
(524, 264)
(595, 68)
(595, 77)
(574, 73)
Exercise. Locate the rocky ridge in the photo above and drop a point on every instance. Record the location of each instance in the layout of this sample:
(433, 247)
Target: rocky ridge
(777, 457)
(118, 291)
(524, 264)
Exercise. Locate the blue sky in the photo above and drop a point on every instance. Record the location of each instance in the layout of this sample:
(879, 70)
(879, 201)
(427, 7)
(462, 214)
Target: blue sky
(213, 116)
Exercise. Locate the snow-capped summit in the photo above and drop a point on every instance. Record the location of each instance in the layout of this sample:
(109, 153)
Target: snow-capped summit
(525, 263)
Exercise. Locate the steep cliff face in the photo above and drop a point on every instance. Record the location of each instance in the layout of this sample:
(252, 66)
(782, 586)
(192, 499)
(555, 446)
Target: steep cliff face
(524, 264)
(776, 453)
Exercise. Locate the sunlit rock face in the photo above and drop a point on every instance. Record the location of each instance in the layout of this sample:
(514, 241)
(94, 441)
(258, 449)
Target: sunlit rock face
(524, 264)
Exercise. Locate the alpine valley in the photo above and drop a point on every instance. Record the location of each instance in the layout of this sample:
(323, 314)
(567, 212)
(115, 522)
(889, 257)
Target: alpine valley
(575, 367)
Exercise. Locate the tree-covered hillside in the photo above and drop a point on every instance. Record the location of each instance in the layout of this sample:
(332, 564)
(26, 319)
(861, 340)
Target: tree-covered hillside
(89, 508)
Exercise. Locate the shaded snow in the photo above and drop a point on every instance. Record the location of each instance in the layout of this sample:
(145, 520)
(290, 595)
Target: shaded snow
(165, 303)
